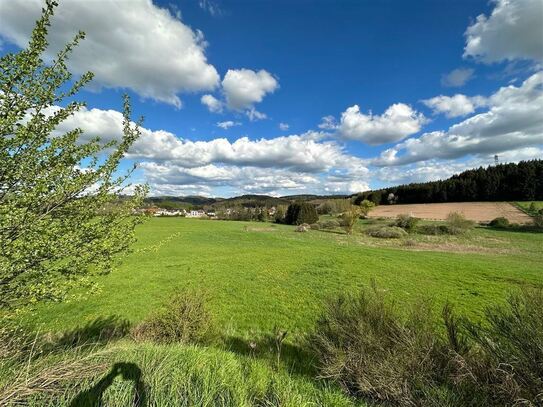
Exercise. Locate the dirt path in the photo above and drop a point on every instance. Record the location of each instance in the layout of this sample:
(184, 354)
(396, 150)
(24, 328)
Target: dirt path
(477, 211)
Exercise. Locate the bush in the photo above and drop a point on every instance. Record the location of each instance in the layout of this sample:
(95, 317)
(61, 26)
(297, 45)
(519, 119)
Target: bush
(512, 344)
(348, 219)
(406, 222)
(183, 319)
(361, 343)
(324, 208)
(387, 232)
(433, 229)
(500, 222)
(365, 207)
(301, 212)
(279, 216)
(404, 358)
(457, 223)
(538, 220)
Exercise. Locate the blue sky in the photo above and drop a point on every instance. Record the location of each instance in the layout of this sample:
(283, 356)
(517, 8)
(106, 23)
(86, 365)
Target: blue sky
(234, 92)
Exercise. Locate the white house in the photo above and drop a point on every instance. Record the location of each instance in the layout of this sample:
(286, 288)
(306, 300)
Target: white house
(196, 214)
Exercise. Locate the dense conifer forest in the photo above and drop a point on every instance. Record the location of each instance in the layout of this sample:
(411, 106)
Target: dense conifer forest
(502, 182)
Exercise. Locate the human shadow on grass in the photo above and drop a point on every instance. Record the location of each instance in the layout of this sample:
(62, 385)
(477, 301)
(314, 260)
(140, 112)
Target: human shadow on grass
(293, 358)
(93, 397)
(99, 331)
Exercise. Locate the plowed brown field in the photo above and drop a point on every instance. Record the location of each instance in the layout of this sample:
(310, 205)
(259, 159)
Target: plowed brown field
(477, 211)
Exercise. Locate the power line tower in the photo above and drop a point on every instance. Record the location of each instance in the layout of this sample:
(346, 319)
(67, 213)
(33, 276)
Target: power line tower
(496, 159)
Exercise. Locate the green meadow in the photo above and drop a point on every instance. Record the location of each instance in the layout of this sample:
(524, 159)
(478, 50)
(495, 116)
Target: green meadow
(257, 278)
(530, 207)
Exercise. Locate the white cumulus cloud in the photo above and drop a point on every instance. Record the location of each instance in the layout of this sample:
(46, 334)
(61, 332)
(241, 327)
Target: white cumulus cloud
(245, 87)
(142, 47)
(457, 77)
(514, 30)
(227, 124)
(454, 106)
(513, 121)
(213, 104)
(396, 123)
(288, 164)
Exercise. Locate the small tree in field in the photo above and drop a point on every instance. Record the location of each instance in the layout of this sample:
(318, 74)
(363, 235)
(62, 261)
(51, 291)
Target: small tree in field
(61, 217)
(365, 207)
(349, 219)
(279, 216)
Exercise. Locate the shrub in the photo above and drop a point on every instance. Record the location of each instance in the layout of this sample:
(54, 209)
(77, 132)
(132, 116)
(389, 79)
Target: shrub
(301, 212)
(512, 344)
(279, 216)
(387, 232)
(500, 222)
(433, 229)
(538, 220)
(361, 343)
(410, 243)
(365, 207)
(404, 358)
(349, 218)
(324, 208)
(183, 319)
(458, 224)
(406, 222)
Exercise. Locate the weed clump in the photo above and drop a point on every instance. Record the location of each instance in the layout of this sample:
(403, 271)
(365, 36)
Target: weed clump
(387, 232)
(406, 222)
(404, 358)
(500, 222)
(538, 220)
(457, 223)
(183, 319)
(433, 230)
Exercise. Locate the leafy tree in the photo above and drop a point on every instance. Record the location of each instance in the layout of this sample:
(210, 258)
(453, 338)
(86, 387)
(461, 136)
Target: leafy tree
(301, 212)
(279, 216)
(262, 215)
(349, 219)
(61, 215)
(365, 207)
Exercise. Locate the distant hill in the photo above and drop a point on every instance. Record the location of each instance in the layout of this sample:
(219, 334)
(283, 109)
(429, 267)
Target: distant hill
(247, 201)
(180, 202)
(252, 201)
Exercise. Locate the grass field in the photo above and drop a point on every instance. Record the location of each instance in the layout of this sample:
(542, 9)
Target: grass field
(259, 277)
(528, 206)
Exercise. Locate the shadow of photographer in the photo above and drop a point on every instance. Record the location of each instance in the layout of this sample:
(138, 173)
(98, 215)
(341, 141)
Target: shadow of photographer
(128, 371)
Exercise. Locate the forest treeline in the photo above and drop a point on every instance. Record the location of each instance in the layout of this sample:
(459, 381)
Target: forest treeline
(502, 182)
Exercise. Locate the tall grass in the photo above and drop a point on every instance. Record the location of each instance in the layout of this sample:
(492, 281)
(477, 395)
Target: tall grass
(180, 375)
(376, 352)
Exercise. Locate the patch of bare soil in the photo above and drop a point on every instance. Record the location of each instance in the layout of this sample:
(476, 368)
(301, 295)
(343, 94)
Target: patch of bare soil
(476, 211)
